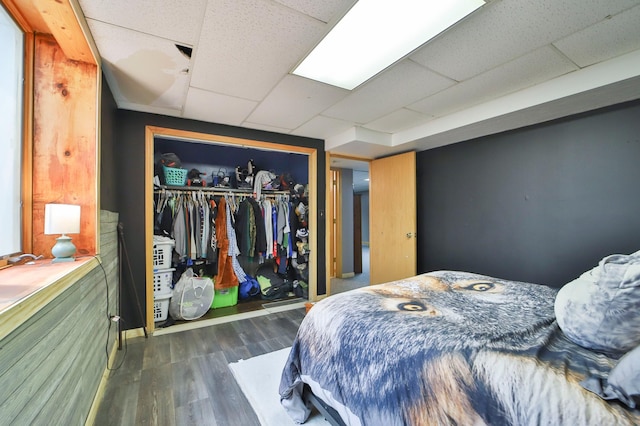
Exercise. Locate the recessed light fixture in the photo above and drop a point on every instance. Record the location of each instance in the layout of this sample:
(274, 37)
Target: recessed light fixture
(375, 34)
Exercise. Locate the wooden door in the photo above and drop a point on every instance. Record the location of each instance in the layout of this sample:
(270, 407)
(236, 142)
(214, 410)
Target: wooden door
(392, 217)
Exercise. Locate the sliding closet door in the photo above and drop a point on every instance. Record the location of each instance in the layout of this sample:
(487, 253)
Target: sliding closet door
(392, 215)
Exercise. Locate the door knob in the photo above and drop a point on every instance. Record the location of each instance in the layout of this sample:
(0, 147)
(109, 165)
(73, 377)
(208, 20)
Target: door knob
(410, 234)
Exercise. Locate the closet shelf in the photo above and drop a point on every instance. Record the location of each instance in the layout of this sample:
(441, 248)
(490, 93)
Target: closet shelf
(217, 190)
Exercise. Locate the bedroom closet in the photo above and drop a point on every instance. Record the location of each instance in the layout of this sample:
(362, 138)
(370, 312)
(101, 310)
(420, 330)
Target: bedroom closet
(236, 214)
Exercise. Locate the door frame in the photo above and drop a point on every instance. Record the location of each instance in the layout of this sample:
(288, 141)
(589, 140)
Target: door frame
(335, 220)
(330, 237)
(151, 132)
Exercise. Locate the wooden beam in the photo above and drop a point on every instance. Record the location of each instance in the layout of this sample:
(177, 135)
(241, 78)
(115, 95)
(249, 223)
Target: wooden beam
(26, 16)
(65, 28)
(65, 146)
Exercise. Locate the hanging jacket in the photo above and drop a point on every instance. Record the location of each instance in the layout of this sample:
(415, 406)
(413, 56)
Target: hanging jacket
(234, 251)
(261, 237)
(226, 278)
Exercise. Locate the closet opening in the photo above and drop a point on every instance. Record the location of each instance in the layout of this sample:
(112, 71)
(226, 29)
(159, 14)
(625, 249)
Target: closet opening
(266, 192)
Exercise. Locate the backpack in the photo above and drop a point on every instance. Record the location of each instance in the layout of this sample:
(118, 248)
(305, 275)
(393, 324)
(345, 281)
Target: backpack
(272, 285)
(248, 288)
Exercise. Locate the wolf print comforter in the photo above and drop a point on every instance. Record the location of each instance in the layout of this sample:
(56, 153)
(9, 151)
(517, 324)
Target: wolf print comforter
(446, 348)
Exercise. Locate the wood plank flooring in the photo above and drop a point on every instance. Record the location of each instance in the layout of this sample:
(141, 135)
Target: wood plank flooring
(183, 378)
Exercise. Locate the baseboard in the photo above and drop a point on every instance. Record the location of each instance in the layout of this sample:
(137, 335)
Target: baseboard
(348, 275)
(97, 399)
(134, 332)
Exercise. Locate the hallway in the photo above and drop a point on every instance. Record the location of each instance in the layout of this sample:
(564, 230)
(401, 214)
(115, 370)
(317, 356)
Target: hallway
(340, 285)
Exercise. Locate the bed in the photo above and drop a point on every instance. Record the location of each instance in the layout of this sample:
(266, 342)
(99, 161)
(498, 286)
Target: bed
(445, 348)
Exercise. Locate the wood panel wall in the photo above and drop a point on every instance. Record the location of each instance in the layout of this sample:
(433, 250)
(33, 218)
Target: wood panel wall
(51, 366)
(65, 143)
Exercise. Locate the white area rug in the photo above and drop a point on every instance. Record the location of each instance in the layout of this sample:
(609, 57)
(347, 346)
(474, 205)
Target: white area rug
(259, 379)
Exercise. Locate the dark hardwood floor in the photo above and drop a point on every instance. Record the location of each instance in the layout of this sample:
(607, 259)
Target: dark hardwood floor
(183, 378)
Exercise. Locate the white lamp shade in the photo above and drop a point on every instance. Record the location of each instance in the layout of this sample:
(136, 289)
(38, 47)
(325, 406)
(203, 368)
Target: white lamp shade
(61, 219)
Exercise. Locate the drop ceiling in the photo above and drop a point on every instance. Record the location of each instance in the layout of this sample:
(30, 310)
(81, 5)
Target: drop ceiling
(510, 64)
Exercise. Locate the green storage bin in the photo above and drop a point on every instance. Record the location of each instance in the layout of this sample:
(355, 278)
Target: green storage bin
(225, 297)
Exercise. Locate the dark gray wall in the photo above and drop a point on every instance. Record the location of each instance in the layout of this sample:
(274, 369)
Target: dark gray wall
(347, 221)
(364, 200)
(130, 148)
(540, 204)
(108, 111)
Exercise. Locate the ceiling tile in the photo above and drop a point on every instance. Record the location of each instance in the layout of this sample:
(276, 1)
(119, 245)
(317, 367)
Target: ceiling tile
(404, 83)
(208, 106)
(322, 127)
(326, 10)
(398, 120)
(499, 58)
(301, 98)
(248, 46)
(528, 70)
(141, 69)
(503, 30)
(172, 112)
(607, 39)
(170, 19)
(265, 127)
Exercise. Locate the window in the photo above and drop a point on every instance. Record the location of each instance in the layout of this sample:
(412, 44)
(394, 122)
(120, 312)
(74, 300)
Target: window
(11, 78)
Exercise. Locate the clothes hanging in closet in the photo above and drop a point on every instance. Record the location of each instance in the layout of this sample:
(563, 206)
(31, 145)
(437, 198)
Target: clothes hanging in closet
(226, 276)
(234, 251)
(250, 229)
(221, 231)
(189, 220)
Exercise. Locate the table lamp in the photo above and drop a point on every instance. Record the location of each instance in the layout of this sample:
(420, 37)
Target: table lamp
(62, 219)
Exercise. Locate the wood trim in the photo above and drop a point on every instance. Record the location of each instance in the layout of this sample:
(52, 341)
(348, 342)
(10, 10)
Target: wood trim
(25, 16)
(64, 26)
(27, 144)
(313, 225)
(102, 386)
(152, 131)
(350, 157)
(338, 218)
(38, 18)
(328, 263)
(228, 140)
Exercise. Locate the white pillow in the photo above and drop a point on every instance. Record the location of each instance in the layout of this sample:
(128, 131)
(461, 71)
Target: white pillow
(601, 309)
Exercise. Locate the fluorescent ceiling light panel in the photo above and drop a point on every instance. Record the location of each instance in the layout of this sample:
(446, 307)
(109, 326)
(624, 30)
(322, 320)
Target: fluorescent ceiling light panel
(375, 34)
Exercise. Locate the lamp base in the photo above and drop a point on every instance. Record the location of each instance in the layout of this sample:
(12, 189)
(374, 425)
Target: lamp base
(63, 250)
(63, 259)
